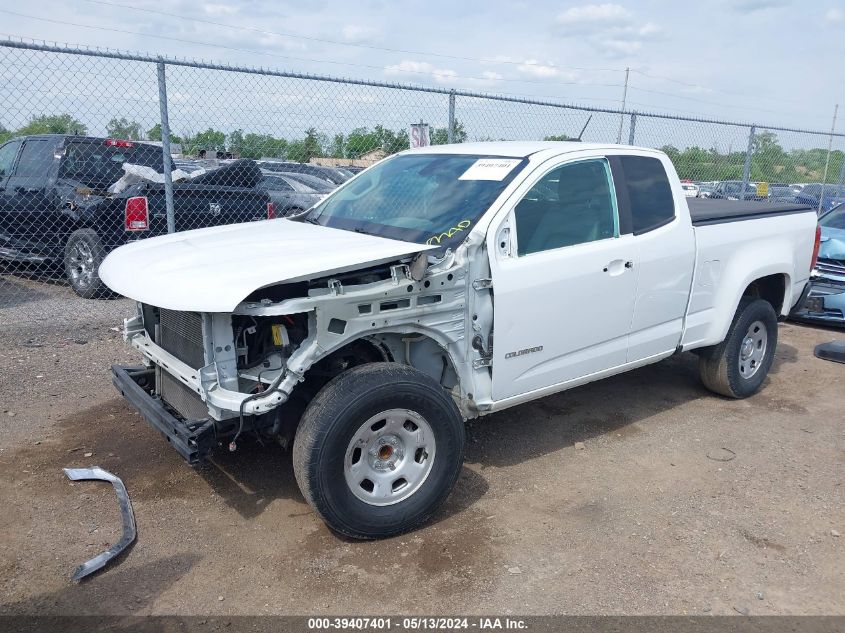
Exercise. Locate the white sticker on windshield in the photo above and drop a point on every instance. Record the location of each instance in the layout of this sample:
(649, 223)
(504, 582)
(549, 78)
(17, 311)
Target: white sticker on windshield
(490, 169)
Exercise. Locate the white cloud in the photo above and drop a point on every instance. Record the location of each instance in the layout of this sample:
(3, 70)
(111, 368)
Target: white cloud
(835, 15)
(753, 6)
(620, 48)
(355, 33)
(211, 8)
(650, 30)
(447, 76)
(544, 70)
(611, 29)
(440, 75)
(536, 69)
(592, 14)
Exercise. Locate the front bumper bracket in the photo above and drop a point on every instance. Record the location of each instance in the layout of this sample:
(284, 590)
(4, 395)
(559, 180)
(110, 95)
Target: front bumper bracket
(129, 531)
(192, 439)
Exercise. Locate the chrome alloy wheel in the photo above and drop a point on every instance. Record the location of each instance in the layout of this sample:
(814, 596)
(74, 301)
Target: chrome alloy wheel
(389, 457)
(81, 261)
(752, 350)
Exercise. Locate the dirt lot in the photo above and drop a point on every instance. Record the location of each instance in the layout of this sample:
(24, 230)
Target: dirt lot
(642, 494)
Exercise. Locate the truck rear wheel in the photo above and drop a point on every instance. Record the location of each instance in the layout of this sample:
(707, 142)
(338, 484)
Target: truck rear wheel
(378, 450)
(83, 255)
(737, 366)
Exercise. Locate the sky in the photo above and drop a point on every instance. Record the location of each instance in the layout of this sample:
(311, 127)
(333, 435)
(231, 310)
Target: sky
(776, 62)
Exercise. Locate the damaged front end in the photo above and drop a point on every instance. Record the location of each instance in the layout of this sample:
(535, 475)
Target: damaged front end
(211, 376)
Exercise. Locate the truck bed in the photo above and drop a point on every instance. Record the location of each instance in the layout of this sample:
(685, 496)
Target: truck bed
(705, 212)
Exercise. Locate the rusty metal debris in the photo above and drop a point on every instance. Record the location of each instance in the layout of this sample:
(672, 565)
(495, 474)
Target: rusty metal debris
(129, 531)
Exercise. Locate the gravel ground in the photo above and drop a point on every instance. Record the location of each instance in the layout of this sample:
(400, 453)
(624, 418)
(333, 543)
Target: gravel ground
(640, 494)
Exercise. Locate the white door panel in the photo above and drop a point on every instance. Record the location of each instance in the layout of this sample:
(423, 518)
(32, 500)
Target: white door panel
(665, 262)
(561, 314)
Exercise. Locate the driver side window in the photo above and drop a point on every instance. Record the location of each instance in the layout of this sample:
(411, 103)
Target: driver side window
(7, 157)
(572, 204)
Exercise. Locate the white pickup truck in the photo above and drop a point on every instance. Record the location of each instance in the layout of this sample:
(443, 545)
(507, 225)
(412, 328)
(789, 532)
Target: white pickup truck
(439, 285)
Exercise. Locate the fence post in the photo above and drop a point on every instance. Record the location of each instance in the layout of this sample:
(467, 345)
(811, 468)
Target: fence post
(450, 130)
(165, 149)
(632, 129)
(746, 170)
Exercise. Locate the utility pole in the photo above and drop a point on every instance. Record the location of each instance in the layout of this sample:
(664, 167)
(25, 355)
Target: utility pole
(827, 160)
(624, 99)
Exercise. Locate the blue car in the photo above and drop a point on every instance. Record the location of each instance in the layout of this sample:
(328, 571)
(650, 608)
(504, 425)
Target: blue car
(825, 302)
(833, 195)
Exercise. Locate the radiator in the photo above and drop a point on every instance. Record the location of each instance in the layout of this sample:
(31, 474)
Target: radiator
(181, 335)
(181, 398)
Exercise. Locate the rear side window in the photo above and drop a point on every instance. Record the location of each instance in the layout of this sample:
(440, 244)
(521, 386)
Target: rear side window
(96, 164)
(7, 156)
(35, 160)
(649, 193)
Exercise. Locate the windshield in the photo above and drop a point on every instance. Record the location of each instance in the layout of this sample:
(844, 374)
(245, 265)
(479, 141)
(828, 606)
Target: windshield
(835, 218)
(424, 198)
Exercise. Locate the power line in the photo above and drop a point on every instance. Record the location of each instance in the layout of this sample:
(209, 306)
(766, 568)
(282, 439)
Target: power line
(700, 87)
(713, 103)
(433, 72)
(484, 60)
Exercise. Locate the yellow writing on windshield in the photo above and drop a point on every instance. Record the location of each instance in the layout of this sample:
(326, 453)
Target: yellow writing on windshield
(436, 239)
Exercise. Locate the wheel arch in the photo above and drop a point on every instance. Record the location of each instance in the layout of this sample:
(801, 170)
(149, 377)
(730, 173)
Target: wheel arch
(415, 345)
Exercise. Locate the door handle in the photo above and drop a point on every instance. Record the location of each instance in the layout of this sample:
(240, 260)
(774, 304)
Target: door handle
(618, 266)
(26, 190)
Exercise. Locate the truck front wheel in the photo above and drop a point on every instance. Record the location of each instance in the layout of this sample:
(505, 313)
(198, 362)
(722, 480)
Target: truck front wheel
(737, 366)
(378, 450)
(84, 253)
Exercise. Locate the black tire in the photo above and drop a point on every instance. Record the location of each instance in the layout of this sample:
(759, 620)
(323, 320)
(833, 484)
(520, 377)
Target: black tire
(339, 412)
(82, 271)
(720, 365)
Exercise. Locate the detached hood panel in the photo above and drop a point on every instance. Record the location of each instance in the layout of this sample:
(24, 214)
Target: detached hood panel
(214, 269)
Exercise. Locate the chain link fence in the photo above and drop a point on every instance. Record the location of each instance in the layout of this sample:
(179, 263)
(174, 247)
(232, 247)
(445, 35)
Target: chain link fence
(99, 148)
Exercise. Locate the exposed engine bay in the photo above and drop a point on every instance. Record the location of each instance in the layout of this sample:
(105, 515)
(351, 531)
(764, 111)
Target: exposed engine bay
(256, 370)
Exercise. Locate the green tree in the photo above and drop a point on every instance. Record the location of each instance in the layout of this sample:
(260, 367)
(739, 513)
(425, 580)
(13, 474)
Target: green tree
(123, 128)
(440, 135)
(53, 124)
(338, 146)
(211, 140)
(304, 150)
(558, 137)
(5, 134)
(154, 134)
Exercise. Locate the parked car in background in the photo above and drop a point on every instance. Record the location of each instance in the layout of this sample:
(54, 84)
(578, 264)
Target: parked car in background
(689, 188)
(56, 210)
(292, 193)
(329, 174)
(825, 302)
(781, 193)
(830, 195)
(705, 189)
(731, 190)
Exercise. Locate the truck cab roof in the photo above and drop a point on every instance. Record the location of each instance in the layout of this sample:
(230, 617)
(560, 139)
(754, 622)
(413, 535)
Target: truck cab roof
(524, 149)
